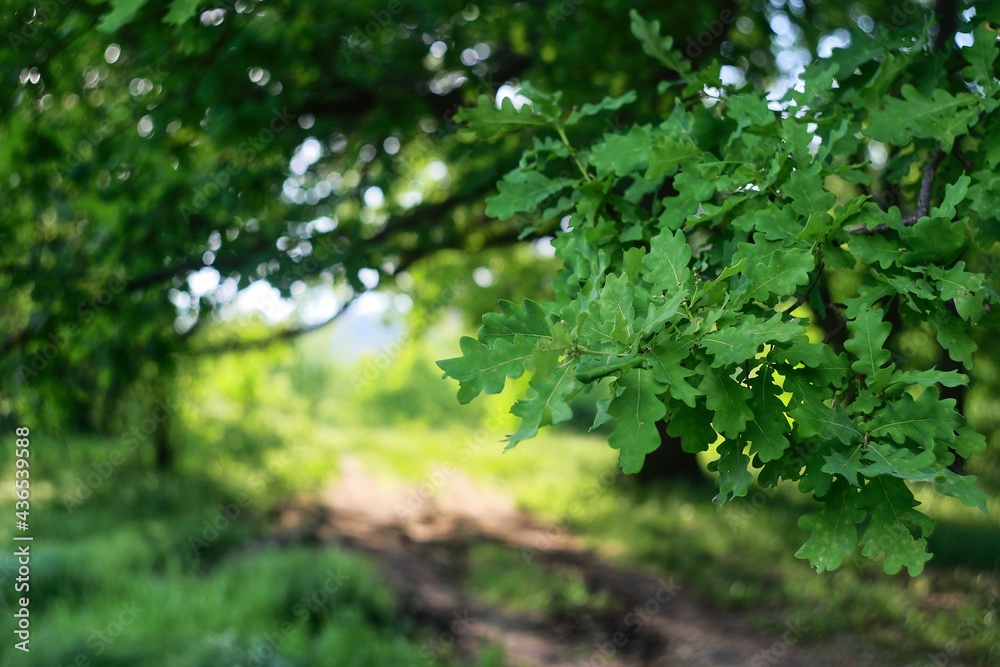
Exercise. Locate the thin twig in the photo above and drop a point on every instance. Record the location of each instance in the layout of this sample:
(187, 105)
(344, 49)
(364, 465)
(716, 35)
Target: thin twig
(923, 199)
(957, 152)
(805, 295)
(572, 152)
(840, 326)
(237, 345)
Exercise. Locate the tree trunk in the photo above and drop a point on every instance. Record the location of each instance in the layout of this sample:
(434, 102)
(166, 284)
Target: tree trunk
(164, 460)
(162, 446)
(670, 462)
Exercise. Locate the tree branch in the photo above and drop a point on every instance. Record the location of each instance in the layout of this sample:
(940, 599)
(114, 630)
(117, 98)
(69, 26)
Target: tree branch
(277, 337)
(841, 321)
(805, 295)
(923, 199)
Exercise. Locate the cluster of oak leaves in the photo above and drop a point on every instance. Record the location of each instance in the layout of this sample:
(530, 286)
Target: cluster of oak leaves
(686, 307)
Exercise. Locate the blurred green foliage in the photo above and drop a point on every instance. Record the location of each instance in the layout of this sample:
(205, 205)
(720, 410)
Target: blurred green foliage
(170, 571)
(298, 144)
(504, 577)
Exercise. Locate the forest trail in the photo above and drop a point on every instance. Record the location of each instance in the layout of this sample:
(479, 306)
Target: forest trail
(421, 545)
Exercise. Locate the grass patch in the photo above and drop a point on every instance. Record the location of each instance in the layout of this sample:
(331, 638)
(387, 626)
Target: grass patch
(161, 571)
(502, 577)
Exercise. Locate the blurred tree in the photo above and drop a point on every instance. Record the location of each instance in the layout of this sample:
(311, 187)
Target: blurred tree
(153, 169)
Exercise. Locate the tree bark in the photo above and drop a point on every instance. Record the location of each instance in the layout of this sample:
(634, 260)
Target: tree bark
(163, 450)
(670, 462)
(164, 460)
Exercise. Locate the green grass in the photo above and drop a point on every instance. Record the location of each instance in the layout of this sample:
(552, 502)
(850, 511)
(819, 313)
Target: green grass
(502, 577)
(293, 607)
(117, 580)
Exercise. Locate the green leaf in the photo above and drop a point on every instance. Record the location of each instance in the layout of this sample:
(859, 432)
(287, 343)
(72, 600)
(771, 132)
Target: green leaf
(804, 385)
(773, 269)
(981, 56)
(632, 261)
(941, 116)
(968, 441)
(797, 137)
(667, 262)
(767, 427)
(615, 308)
(895, 527)
(967, 290)
(833, 528)
(620, 154)
(712, 290)
(910, 283)
(543, 103)
(727, 186)
(962, 487)
(666, 157)
(807, 194)
(954, 193)
(818, 356)
(545, 358)
(482, 368)
(527, 321)
(869, 333)
(885, 459)
(662, 311)
(736, 344)
(933, 240)
(876, 249)
(924, 421)
(817, 79)
(817, 420)
(122, 13)
(929, 378)
(666, 357)
(181, 11)
(953, 335)
(655, 46)
(867, 400)
(487, 120)
(848, 463)
(988, 10)
(727, 399)
(871, 216)
(601, 334)
(547, 403)
(734, 478)
(522, 191)
(601, 415)
(635, 411)
(731, 345)
(777, 224)
(749, 110)
(694, 428)
(607, 104)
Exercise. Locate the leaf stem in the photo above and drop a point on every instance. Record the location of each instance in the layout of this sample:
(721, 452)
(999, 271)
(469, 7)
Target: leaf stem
(608, 369)
(572, 152)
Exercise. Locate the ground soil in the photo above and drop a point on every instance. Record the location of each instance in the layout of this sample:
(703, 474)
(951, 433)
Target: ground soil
(422, 545)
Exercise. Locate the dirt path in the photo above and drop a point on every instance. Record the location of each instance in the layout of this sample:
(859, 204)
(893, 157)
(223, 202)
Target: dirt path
(422, 546)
